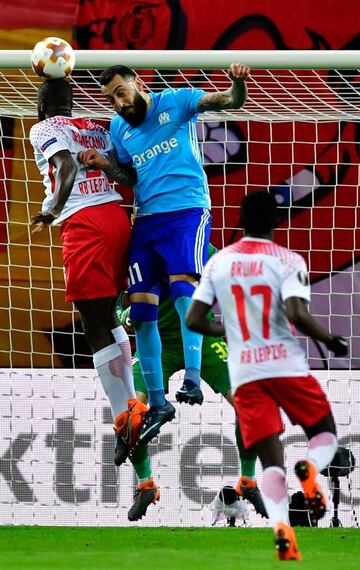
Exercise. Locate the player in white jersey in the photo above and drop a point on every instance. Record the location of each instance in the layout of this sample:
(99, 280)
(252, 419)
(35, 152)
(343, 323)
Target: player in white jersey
(262, 290)
(95, 236)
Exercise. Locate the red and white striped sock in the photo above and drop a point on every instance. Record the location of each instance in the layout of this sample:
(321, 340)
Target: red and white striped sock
(275, 495)
(109, 365)
(121, 337)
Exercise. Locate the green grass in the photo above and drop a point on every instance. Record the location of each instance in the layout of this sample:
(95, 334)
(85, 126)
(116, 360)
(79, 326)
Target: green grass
(66, 548)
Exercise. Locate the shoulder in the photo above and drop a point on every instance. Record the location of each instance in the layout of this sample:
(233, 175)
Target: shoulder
(182, 94)
(186, 92)
(291, 257)
(117, 122)
(288, 259)
(291, 261)
(47, 129)
(89, 125)
(117, 125)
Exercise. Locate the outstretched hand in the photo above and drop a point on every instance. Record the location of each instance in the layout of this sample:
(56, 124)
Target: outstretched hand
(93, 158)
(238, 71)
(41, 219)
(339, 346)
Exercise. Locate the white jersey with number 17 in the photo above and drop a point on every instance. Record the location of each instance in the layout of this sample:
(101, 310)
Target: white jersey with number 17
(251, 279)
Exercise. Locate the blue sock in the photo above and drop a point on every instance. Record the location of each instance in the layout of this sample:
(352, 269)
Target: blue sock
(192, 343)
(148, 346)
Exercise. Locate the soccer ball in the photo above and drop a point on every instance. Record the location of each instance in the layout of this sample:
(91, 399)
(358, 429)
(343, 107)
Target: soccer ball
(53, 58)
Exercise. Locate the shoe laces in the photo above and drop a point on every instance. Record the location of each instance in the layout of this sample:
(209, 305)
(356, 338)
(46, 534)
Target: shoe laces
(136, 493)
(149, 416)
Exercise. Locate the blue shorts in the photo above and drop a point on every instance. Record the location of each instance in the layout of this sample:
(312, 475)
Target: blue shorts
(168, 244)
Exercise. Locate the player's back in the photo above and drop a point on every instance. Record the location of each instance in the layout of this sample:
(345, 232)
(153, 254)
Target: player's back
(251, 279)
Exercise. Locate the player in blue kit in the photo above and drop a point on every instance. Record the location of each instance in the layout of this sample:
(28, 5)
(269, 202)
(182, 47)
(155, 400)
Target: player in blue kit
(156, 134)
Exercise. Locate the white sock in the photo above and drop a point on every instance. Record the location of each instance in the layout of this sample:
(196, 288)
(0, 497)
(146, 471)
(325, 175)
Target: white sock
(275, 495)
(108, 363)
(122, 339)
(322, 448)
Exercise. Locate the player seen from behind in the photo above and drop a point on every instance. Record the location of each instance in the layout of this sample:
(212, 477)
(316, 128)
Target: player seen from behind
(261, 289)
(214, 372)
(156, 134)
(95, 234)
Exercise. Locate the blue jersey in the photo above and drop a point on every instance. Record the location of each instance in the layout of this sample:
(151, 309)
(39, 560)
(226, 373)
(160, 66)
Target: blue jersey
(165, 151)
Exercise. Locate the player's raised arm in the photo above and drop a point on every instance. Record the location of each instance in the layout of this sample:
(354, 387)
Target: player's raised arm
(122, 173)
(232, 98)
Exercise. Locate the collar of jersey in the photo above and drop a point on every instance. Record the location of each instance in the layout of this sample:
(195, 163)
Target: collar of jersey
(154, 101)
(251, 238)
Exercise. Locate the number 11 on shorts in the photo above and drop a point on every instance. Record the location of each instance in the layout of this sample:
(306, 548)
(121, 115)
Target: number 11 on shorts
(135, 274)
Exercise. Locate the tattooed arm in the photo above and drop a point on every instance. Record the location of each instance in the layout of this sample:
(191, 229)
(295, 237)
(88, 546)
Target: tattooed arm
(123, 174)
(233, 98)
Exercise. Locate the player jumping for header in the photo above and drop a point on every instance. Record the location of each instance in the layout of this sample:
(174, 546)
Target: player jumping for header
(156, 133)
(262, 288)
(95, 236)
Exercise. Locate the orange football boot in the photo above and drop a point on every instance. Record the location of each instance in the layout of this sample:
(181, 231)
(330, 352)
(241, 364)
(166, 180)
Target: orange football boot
(248, 489)
(285, 542)
(127, 427)
(314, 497)
(145, 494)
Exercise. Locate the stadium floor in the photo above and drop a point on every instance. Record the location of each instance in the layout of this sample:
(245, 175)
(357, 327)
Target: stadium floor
(53, 548)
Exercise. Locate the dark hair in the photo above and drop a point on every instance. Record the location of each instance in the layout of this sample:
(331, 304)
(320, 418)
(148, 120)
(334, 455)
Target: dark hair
(108, 74)
(55, 94)
(259, 212)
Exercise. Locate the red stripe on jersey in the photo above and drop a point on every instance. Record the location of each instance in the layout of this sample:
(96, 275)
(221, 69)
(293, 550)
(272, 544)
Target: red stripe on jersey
(51, 177)
(252, 246)
(266, 292)
(80, 123)
(238, 293)
(94, 173)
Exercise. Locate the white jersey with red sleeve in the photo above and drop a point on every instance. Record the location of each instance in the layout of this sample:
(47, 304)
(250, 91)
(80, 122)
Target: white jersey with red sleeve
(91, 187)
(251, 279)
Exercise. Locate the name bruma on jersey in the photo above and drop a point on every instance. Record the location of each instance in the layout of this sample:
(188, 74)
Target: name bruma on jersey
(247, 268)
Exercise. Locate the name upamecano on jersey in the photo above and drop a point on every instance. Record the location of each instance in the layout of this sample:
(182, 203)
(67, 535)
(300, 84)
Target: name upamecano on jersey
(88, 141)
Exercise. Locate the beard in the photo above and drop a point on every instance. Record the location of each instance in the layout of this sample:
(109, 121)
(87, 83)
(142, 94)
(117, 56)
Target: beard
(135, 114)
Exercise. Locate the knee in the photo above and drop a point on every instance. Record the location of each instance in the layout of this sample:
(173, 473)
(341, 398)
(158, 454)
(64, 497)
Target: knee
(180, 289)
(143, 312)
(326, 424)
